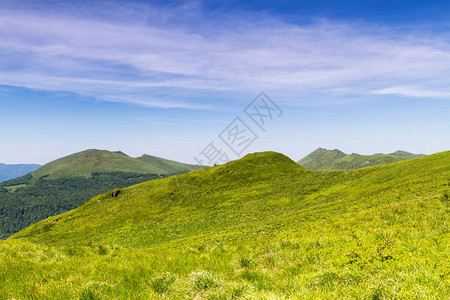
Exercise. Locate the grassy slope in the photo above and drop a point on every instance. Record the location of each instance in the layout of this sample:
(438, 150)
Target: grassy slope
(259, 227)
(168, 166)
(29, 200)
(322, 159)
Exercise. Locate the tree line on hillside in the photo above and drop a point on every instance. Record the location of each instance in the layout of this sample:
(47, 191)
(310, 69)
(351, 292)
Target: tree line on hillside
(35, 200)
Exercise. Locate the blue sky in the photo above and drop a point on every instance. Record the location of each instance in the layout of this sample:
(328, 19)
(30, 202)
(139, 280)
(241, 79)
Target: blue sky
(165, 78)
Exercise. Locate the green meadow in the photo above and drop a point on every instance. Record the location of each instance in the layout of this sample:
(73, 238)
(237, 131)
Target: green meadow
(262, 227)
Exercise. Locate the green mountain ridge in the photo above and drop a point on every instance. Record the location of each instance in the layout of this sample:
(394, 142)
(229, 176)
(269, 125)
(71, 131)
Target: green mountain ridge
(89, 161)
(323, 159)
(406, 154)
(67, 182)
(267, 174)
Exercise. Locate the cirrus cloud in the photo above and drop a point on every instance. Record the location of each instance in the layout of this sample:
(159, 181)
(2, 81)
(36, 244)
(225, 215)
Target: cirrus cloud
(170, 64)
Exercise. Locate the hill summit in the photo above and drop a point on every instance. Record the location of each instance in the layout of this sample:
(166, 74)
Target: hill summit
(83, 164)
(323, 159)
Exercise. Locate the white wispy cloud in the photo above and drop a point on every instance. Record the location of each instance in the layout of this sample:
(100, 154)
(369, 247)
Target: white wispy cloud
(416, 92)
(147, 58)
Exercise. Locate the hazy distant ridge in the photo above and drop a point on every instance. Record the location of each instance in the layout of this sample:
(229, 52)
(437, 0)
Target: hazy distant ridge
(8, 172)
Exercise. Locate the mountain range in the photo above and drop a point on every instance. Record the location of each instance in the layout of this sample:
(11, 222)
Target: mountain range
(259, 227)
(67, 182)
(323, 159)
(16, 170)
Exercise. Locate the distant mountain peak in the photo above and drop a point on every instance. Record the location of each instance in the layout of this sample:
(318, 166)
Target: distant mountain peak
(323, 159)
(406, 154)
(84, 163)
(120, 152)
(326, 150)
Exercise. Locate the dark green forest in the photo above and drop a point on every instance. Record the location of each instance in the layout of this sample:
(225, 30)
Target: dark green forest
(25, 200)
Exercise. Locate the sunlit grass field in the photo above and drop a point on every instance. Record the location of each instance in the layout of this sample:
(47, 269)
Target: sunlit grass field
(258, 228)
